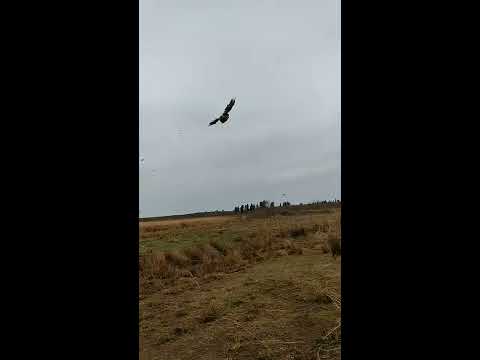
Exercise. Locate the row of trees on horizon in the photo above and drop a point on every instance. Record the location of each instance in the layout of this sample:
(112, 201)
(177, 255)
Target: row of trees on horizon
(262, 204)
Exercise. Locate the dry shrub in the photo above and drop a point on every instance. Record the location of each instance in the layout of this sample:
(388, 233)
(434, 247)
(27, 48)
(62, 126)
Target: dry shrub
(285, 244)
(232, 259)
(212, 312)
(195, 254)
(153, 270)
(144, 285)
(237, 239)
(153, 265)
(180, 313)
(247, 251)
(338, 222)
(220, 246)
(269, 251)
(269, 243)
(214, 276)
(180, 330)
(210, 251)
(334, 246)
(323, 228)
(183, 273)
(320, 236)
(211, 260)
(265, 230)
(257, 243)
(222, 256)
(142, 264)
(207, 266)
(281, 252)
(323, 293)
(325, 249)
(295, 249)
(159, 264)
(147, 229)
(321, 296)
(198, 260)
(296, 232)
(177, 258)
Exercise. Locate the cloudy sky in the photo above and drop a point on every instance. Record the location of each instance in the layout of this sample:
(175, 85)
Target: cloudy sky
(281, 60)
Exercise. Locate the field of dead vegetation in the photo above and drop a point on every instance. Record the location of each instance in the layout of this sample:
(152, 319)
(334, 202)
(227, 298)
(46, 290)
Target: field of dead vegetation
(241, 287)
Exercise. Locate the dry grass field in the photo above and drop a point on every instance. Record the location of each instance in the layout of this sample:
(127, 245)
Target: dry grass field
(241, 287)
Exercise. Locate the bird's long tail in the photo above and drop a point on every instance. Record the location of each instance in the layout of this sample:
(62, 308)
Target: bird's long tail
(213, 122)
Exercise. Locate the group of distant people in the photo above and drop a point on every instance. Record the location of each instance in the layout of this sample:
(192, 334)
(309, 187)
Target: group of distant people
(252, 207)
(245, 208)
(327, 202)
(265, 204)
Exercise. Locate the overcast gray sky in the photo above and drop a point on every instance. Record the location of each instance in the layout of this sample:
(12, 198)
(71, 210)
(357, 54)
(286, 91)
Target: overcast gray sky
(281, 60)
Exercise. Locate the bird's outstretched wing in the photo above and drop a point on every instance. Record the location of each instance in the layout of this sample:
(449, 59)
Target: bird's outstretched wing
(229, 106)
(224, 116)
(213, 122)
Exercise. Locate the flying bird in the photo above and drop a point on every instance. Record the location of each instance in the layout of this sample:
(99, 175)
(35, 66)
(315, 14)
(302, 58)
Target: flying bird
(224, 117)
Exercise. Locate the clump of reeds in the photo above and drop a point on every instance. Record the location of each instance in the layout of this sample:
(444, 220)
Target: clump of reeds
(177, 258)
(298, 231)
(334, 246)
(212, 312)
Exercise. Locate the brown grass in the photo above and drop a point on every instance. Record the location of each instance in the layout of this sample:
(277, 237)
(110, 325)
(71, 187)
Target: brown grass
(188, 221)
(177, 258)
(283, 308)
(203, 259)
(296, 232)
(257, 288)
(256, 240)
(232, 259)
(195, 254)
(212, 312)
(334, 246)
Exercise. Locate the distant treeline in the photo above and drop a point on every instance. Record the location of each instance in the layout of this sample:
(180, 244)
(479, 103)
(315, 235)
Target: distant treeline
(246, 208)
(186, 216)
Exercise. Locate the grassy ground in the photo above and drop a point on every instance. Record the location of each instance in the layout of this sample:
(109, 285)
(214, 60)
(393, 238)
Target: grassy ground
(273, 293)
(176, 234)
